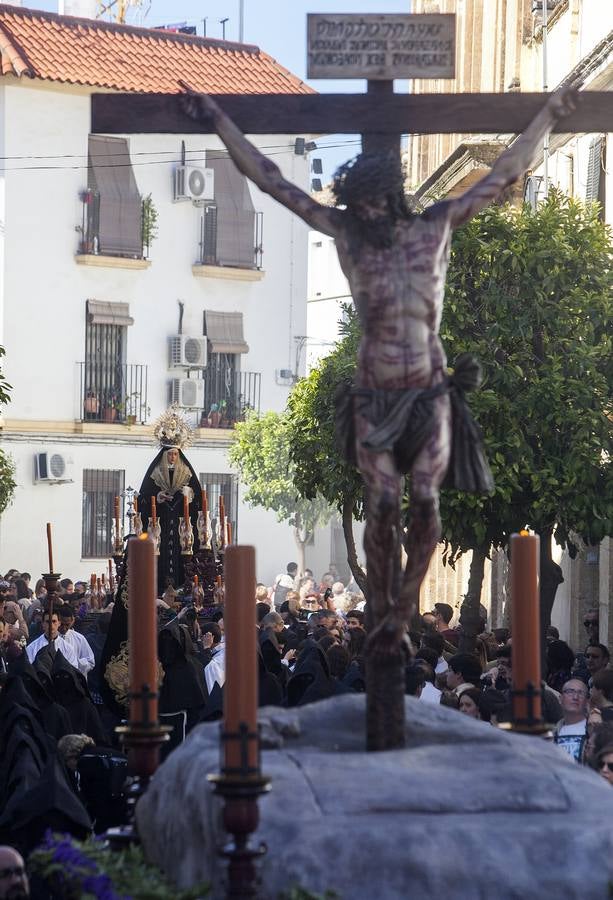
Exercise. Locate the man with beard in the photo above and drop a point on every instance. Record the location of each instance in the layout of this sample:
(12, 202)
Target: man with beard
(402, 410)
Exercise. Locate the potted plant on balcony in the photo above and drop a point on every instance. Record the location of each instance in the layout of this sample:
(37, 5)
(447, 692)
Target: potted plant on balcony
(149, 224)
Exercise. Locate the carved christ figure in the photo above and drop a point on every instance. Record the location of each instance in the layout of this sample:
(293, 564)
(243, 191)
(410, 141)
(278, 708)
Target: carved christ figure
(395, 262)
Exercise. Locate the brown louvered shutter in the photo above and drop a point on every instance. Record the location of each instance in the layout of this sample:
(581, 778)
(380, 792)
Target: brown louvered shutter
(235, 229)
(120, 217)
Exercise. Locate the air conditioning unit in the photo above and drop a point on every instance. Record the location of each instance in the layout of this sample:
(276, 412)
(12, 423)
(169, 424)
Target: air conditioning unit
(52, 468)
(285, 377)
(187, 392)
(192, 183)
(188, 352)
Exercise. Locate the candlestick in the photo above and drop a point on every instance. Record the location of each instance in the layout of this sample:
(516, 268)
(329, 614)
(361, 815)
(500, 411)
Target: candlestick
(185, 508)
(50, 547)
(525, 628)
(229, 528)
(154, 514)
(142, 632)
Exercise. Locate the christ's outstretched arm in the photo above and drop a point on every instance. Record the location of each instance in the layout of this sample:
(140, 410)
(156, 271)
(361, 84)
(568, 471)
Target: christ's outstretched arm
(258, 168)
(512, 163)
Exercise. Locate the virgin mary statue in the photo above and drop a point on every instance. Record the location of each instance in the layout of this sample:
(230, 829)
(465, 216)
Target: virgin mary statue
(169, 479)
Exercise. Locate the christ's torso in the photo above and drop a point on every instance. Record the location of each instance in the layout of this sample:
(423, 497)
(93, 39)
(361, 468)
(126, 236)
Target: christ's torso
(398, 293)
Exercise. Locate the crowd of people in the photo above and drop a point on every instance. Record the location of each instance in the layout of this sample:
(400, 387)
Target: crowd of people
(311, 636)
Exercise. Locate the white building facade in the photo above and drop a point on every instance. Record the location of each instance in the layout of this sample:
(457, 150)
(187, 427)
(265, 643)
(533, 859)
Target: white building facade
(88, 314)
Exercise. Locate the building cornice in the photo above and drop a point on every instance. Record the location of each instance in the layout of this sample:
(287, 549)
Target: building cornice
(24, 431)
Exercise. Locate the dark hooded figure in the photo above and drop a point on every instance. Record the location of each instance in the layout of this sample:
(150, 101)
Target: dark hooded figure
(270, 691)
(183, 687)
(167, 477)
(311, 679)
(54, 717)
(34, 790)
(71, 692)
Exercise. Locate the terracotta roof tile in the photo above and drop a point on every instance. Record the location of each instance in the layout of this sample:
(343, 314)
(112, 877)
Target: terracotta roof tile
(102, 54)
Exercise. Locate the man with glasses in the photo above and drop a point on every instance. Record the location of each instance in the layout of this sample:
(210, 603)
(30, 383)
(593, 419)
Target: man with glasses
(570, 731)
(13, 879)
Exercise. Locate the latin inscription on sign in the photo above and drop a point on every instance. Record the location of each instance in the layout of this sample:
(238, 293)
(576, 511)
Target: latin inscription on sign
(381, 47)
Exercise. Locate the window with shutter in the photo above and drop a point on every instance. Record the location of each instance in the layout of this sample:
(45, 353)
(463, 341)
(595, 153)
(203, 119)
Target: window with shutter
(118, 207)
(235, 217)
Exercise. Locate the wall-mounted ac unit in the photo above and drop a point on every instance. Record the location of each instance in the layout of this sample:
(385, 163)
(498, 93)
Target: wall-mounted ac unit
(193, 183)
(187, 392)
(285, 377)
(188, 352)
(52, 468)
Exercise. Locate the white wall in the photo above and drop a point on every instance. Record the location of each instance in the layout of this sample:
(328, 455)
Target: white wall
(45, 293)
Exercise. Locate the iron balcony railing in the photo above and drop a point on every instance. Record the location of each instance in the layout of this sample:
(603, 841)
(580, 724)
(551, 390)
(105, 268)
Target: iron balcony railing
(111, 392)
(219, 250)
(229, 396)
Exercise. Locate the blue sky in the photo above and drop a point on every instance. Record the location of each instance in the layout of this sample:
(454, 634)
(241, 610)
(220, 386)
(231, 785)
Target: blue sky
(279, 28)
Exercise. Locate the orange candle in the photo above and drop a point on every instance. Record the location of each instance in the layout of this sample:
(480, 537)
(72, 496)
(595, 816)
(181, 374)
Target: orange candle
(92, 580)
(525, 622)
(103, 579)
(110, 569)
(218, 581)
(135, 504)
(205, 503)
(50, 548)
(241, 687)
(154, 512)
(185, 508)
(195, 581)
(229, 527)
(142, 630)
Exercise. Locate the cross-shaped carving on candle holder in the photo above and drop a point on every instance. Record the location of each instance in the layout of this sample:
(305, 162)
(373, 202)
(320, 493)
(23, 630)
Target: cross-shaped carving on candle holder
(135, 523)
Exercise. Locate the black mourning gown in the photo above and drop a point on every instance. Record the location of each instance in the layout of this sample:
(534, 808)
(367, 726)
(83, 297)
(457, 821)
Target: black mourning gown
(170, 561)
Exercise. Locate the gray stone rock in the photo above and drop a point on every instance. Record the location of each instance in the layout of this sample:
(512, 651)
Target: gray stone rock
(466, 811)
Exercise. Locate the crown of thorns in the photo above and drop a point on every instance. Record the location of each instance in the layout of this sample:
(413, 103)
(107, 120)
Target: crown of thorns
(368, 175)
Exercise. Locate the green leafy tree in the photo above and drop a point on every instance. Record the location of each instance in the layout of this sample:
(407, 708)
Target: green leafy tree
(260, 452)
(319, 468)
(529, 293)
(7, 466)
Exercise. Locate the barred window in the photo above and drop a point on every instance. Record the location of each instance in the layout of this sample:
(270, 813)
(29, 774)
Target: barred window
(100, 487)
(222, 485)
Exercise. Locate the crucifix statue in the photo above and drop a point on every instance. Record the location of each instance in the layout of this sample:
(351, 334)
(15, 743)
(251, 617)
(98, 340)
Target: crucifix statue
(395, 262)
(405, 413)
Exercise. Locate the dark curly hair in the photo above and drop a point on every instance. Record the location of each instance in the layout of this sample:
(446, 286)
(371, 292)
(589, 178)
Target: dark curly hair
(371, 177)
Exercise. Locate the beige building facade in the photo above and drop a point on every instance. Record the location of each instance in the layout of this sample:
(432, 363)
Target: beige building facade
(509, 45)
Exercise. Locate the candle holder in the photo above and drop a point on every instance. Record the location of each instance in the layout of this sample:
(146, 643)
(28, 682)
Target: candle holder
(240, 788)
(186, 537)
(155, 532)
(137, 524)
(142, 741)
(203, 525)
(51, 582)
(530, 724)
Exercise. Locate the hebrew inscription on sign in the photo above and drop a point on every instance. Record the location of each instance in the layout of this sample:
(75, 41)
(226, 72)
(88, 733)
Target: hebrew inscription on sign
(380, 47)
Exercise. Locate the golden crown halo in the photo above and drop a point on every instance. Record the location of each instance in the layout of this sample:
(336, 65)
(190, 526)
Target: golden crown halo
(172, 430)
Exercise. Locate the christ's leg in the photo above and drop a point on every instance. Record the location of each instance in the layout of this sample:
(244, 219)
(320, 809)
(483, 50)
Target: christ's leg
(424, 530)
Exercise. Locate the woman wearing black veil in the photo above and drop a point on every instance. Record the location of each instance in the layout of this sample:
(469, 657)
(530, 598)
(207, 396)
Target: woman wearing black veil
(169, 478)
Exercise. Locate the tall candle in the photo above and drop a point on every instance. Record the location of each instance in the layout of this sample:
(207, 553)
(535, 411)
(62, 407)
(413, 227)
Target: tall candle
(110, 569)
(50, 547)
(154, 512)
(185, 508)
(525, 621)
(241, 686)
(92, 580)
(229, 528)
(142, 630)
(103, 579)
(205, 503)
(117, 508)
(222, 522)
(135, 504)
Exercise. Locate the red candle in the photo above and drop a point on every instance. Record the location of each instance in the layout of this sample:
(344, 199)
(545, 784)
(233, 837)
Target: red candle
(154, 513)
(135, 503)
(205, 503)
(50, 548)
(229, 526)
(241, 687)
(110, 569)
(185, 508)
(525, 622)
(92, 580)
(142, 630)
(222, 522)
